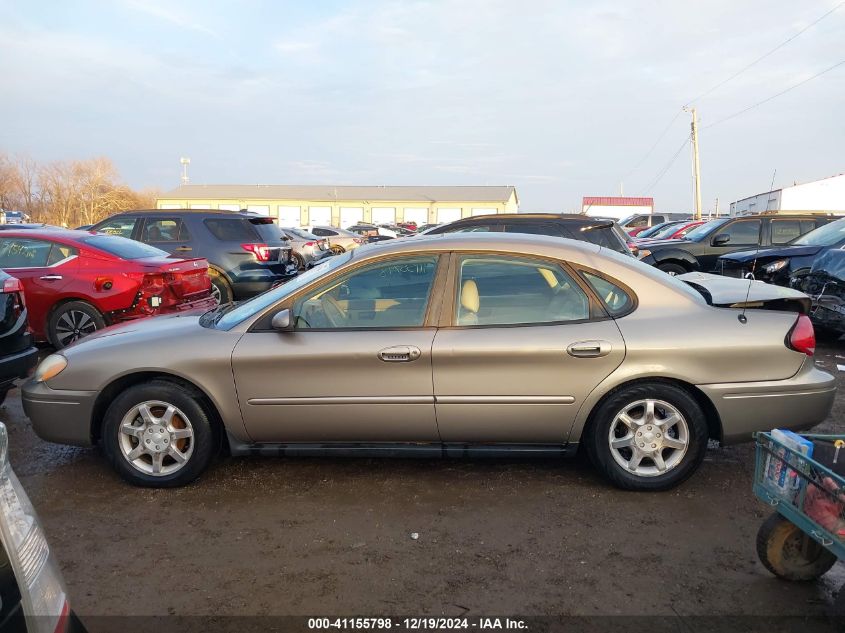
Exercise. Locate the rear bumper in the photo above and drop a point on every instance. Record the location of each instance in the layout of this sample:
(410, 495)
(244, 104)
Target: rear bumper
(58, 415)
(248, 283)
(797, 403)
(17, 365)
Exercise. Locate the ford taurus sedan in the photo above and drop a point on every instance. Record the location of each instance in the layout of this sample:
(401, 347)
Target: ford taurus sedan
(454, 344)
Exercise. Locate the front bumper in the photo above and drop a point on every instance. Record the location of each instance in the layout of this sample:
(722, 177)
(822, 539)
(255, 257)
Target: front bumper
(797, 403)
(57, 415)
(17, 365)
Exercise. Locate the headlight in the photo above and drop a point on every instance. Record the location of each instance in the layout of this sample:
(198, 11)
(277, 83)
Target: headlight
(775, 266)
(644, 253)
(50, 367)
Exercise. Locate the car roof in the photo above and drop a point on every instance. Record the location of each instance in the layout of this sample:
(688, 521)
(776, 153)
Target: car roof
(577, 217)
(49, 232)
(241, 214)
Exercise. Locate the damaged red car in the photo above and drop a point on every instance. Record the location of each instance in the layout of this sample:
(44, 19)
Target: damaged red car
(77, 282)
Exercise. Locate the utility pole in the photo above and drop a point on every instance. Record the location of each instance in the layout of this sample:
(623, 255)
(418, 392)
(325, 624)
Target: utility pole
(695, 166)
(717, 207)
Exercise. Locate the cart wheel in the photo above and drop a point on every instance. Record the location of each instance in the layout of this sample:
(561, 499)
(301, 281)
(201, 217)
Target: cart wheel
(790, 553)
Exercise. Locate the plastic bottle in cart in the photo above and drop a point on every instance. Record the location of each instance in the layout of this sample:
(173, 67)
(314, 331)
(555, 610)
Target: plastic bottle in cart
(781, 477)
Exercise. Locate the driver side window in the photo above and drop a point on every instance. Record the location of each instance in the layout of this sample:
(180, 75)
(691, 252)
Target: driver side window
(387, 294)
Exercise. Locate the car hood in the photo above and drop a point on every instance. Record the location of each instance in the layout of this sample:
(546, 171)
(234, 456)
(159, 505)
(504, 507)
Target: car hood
(647, 243)
(771, 253)
(730, 292)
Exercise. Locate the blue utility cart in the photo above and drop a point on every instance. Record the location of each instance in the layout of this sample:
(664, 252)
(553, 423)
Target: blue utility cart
(806, 534)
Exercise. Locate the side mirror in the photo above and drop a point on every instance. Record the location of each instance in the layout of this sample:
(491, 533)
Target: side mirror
(721, 239)
(281, 321)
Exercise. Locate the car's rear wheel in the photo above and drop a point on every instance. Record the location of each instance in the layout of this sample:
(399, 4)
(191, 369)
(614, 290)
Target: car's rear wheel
(649, 436)
(220, 288)
(789, 552)
(159, 434)
(337, 250)
(297, 259)
(672, 269)
(72, 321)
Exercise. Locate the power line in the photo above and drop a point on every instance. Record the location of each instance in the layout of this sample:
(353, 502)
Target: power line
(652, 148)
(774, 96)
(663, 171)
(765, 55)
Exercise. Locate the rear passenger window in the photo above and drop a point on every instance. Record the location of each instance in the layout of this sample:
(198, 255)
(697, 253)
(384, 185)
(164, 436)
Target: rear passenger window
(615, 300)
(743, 233)
(322, 232)
(59, 253)
(124, 227)
(784, 231)
(162, 230)
(231, 230)
(516, 291)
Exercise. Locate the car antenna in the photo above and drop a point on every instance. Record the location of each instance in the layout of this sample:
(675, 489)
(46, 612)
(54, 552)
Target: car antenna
(750, 276)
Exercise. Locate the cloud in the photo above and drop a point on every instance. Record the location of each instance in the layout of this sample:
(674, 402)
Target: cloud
(169, 15)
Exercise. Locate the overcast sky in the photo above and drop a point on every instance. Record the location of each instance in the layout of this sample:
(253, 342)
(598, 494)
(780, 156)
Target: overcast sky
(561, 99)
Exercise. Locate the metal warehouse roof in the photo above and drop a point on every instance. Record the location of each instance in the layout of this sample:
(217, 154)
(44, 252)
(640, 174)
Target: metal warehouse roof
(342, 192)
(618, 201)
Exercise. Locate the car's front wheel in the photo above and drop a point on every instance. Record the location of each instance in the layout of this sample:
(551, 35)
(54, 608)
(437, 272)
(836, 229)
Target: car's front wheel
(159, 434)
(672, 269)
(647, 436)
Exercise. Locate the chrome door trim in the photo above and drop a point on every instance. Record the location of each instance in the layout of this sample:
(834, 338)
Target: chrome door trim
(343, 400)
(504, 400)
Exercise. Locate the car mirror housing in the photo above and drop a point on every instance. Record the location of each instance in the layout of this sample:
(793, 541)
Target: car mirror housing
(281, 321)
(721, 239)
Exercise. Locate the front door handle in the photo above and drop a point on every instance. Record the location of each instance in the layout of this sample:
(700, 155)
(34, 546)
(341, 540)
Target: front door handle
(184, 248)
(399, 354)
(51, 277)
(589, 349)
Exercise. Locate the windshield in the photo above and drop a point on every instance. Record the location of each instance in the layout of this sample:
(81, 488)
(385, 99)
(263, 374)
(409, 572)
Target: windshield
(251, 307)
(122, 247)
(705, 229)
(657, 229)
(666, 231)
(826, 235)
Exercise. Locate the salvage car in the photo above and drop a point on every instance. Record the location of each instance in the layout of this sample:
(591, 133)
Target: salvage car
(78, 282)
(340, 240)
(18, 356)
(601, 231)
(245, 252)
(701, 248)
(825, 284)
(780, 265)
(460, 344)
(308, 249)
(33, 596)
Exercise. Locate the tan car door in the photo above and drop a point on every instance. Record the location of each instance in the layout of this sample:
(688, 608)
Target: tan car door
(522, 350)
(356, 367)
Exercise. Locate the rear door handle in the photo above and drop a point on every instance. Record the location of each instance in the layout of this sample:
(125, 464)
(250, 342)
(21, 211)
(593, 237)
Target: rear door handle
(399, 354)
(589, 349)
(51, 277)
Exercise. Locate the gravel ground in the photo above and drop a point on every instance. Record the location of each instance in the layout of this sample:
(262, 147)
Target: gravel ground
(320, 536)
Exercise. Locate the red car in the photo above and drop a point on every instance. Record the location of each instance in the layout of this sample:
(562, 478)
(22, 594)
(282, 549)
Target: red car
(77, 282)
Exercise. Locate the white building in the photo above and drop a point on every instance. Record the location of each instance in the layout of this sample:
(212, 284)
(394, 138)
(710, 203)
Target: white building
(617, 207)
(827, 194)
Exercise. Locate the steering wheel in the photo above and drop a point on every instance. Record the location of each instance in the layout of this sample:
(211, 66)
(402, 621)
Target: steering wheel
(335, 314)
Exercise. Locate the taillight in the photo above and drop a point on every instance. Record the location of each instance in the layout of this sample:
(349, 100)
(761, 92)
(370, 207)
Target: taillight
(802, 337)
(12, 284)
(310, 243)
(152, 283)
(261, 251)
(357, 240)
(633, 248)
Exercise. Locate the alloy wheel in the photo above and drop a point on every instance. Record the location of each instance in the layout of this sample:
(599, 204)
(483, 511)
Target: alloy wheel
(156, 438)
(73, 325)
(215, 292)
(648, 438)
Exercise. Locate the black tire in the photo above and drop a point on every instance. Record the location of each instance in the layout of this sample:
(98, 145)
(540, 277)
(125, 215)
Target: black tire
(205, 439)
(60, 325)
(297, 259)
(3, 393)
(672, 269)
(220, 288)
(597, 437)
(789, 553)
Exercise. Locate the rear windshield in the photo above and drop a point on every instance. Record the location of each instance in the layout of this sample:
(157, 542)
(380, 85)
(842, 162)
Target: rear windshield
(611, 237)
(300, 233)
(235, 230)
(122, 247)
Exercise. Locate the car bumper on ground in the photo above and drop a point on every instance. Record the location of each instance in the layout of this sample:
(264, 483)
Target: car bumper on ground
(797, 403)
(17, 365)
(59, 416)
